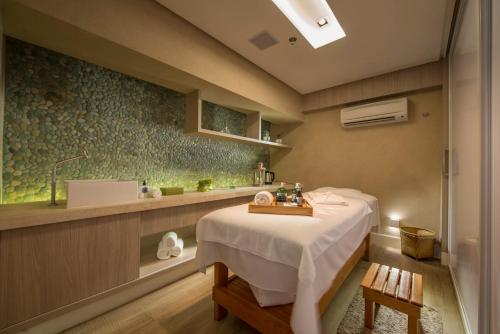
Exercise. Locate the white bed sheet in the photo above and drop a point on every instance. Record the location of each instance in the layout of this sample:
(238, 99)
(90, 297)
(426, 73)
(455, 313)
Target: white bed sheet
(275, 283)
(281, 254)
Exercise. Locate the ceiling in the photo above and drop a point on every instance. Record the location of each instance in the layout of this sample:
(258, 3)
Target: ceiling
(382, 36)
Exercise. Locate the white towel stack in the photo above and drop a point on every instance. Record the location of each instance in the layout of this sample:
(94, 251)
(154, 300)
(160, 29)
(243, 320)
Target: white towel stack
(169, 245)
(263, 198)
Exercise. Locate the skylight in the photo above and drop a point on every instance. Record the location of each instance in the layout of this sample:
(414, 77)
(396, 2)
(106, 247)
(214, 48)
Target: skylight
(314, 19)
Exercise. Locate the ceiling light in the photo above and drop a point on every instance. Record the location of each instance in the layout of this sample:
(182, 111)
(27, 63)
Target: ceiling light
(321, 22)
(304, 16)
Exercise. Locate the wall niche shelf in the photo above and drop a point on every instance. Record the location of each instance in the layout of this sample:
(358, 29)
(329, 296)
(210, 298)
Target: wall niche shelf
(194, 127)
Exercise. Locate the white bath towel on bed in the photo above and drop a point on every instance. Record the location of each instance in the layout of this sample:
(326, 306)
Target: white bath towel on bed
(294, 241)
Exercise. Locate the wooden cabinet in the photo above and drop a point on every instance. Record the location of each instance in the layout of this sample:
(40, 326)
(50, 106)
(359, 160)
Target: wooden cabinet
(46, 267)
(53, 260)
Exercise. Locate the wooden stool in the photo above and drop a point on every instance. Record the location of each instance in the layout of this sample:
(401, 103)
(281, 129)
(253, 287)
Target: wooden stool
(394, 288)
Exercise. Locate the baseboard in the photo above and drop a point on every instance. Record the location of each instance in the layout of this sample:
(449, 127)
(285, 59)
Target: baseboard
(461, 305)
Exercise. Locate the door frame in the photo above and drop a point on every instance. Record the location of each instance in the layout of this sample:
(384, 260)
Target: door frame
(485, 316)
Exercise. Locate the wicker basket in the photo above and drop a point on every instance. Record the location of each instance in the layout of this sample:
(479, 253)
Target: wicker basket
(417, 242)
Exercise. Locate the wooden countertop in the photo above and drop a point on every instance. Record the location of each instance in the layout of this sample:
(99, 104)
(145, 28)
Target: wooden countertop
(21, 215)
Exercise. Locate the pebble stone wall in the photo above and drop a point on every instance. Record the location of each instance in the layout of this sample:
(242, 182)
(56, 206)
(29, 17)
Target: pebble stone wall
(56, 106)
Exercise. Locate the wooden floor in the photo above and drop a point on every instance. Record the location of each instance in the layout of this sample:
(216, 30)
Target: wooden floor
(186, 306)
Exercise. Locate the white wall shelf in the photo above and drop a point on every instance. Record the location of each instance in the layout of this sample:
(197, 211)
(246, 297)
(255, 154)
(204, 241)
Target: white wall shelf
(194, 127)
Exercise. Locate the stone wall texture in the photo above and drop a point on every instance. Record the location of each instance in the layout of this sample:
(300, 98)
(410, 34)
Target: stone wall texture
(56, 106)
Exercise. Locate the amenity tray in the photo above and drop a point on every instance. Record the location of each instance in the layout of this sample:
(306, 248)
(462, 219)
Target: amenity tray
(277, 208)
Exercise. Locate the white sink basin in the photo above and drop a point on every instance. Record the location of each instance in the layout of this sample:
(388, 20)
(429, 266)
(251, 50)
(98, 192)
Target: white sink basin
(100, 192)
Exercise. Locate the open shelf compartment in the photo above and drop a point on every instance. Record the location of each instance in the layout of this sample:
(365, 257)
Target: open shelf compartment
(150, 264)
(193, 125)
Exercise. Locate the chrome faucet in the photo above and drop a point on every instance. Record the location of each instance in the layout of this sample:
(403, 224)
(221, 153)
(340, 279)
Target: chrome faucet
(54, 174)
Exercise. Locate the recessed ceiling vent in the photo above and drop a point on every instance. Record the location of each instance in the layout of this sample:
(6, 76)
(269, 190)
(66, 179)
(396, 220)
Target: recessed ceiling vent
(263, 40)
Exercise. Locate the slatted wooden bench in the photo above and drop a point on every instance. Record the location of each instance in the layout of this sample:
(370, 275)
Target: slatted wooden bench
(394, 288)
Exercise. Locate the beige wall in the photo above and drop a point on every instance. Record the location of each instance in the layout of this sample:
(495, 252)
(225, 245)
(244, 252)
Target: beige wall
(400, 164)
(149, 29)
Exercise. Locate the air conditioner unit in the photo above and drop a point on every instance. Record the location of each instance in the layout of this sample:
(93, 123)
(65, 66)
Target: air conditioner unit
(390, 111)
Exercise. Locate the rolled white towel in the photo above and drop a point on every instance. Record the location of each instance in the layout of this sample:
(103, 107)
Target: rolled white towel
(177, 249)
(170, 239)
(263, 198)
(163, 252)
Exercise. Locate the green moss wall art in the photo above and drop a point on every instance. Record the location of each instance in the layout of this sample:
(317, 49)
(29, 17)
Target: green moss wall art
(56, 105)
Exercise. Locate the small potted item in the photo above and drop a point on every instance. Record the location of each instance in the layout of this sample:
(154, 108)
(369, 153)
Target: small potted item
(204, 185)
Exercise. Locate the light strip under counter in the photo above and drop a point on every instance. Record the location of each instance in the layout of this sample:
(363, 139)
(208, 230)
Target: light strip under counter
(22, 215)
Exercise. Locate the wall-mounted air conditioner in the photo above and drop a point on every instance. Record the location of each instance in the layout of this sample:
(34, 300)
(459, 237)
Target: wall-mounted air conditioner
(390, 111)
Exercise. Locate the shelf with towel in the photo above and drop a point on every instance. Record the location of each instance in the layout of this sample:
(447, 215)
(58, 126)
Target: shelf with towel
(150, 264)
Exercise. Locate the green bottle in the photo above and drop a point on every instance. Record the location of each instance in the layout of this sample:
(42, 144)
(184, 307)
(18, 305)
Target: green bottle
(281, 193)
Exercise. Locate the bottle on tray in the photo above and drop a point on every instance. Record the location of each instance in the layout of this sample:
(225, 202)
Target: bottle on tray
(300, 198)
(281, 194)
(297, 194)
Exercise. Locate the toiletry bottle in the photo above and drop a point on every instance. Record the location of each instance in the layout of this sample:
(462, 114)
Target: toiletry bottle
(299, 198)
(295, 191)
(144, 188)
(281, 193)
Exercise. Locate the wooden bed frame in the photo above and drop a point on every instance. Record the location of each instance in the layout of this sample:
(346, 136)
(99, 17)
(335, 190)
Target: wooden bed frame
(233, 294)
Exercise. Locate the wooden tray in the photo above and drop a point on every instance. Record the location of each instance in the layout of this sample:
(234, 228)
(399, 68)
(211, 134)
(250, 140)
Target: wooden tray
(279, 209)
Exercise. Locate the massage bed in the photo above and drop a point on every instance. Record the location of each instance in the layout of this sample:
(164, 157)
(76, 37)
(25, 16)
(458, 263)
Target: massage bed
(286, 268)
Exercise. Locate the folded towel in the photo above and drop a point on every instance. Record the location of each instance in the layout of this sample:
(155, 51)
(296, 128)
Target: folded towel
(264, 198)
(177, 249)
(328, 197)
(163, 252)
(170, 239)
